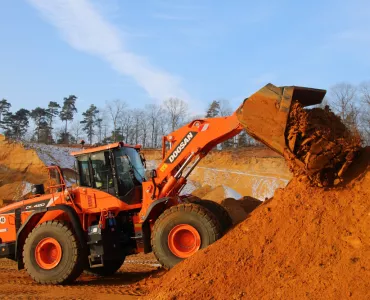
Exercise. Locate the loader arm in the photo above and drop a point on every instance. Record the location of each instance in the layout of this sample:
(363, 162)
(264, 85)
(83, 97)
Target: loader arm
(187, 146)
(263, 115)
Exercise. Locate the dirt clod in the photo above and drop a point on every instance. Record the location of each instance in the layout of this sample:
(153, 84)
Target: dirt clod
(323, 145)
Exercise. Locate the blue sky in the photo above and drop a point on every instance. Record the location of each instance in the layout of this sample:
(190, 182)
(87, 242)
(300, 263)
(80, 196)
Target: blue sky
(145, 51)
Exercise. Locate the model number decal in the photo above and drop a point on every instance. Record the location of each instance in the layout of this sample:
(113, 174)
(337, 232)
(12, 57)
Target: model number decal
(36, 205)
(2, 220)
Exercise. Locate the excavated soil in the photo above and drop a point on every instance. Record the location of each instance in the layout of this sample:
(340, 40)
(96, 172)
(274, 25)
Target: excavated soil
(19, 168)
(304, 243)
(322, 143)
(238, 207)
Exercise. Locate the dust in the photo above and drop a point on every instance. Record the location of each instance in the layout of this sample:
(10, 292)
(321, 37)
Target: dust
(304, 243)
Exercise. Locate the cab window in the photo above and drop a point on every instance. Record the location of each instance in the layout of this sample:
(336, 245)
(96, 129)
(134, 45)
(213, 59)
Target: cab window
(83, 167)
(124, 175)
(102, 171)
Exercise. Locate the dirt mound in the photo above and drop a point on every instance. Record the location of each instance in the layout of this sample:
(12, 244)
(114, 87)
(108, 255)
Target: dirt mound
(322, 143)
(202, 191)
(237, 206)
(19, 168)
(305, 243)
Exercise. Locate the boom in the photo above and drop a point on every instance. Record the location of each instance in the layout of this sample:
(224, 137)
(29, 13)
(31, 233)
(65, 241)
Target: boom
(188, 145)
(263, 115)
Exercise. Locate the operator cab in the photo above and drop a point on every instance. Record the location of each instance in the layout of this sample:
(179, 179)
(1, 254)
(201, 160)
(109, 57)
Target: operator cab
(117, 169)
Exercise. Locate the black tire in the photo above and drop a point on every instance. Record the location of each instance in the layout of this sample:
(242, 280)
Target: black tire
(110, 267)
(195, 215)
(70, 265)
(218, 210)
(220, 213)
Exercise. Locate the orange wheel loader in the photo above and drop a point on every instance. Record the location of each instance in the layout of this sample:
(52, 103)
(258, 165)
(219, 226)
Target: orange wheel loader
(115, 210)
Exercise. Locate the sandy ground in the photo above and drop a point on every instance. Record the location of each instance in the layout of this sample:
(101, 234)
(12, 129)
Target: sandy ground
(127, 283)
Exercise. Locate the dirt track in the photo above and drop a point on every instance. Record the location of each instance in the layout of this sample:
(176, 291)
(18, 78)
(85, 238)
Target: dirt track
(129, 282)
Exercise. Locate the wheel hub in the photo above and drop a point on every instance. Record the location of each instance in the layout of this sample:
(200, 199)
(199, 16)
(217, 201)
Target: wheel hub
(48, 253)
(184, 240)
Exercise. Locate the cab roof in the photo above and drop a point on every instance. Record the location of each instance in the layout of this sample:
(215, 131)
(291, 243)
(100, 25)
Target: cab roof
(105, 147)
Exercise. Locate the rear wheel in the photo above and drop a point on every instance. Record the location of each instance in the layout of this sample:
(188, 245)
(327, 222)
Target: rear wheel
(51, 254)
(181, 231)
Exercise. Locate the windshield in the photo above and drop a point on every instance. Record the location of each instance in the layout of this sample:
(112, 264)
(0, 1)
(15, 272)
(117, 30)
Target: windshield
(135, 160)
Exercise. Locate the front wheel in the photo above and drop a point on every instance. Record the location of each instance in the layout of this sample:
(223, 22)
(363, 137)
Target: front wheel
(51, 254)
(181, 231)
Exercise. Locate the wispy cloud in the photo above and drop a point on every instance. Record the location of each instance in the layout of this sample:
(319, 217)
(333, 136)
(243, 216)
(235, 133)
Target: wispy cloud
(84, 28)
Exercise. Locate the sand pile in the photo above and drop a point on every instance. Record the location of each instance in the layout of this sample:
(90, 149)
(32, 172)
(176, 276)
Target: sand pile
(237, 206)
(324, 146)
(19, 169)
(305, 243)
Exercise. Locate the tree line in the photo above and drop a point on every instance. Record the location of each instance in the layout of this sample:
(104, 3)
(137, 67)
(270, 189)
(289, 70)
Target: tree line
(116, 121)
(113, 122)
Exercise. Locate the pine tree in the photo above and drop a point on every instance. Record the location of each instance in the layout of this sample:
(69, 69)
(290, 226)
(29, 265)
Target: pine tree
(213, 110)
(4, 107)
(39, 115)
(15, 125)
(90, 120)
(52, 112)
(67, 113)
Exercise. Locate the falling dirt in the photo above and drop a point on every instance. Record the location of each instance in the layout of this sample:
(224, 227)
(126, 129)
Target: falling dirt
(322, 143)
(304, 243)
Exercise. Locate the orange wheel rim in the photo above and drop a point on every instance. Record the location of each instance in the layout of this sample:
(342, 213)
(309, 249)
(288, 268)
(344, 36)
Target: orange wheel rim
(48, 253)
(184, 240)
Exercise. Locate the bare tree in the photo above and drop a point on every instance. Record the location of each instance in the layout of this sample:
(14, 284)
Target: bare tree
(155, 114)
(342, 97)
(100, 117)
(365, 92)
(365, 111)
(225, 108)
(115, 109)
(76, 129)
(343, 101)
(145, 129)
(137, 115)
(177, 110)
(126, 126)
(224, 111)
(163, 126)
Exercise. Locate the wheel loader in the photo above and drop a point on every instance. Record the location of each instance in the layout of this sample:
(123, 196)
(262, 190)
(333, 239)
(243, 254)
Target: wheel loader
(116, 210)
